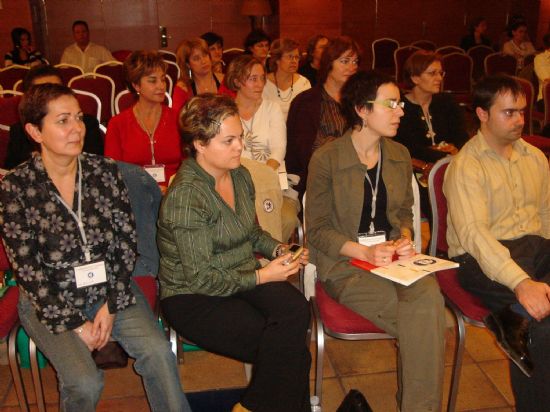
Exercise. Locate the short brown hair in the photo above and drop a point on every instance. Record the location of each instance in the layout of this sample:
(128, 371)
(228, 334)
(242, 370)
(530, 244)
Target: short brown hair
(239, 70)
(201, 118)
(417, 63)
(280, 47)
(335, 48)
(183, 53)
(141, 63)
(34, 104)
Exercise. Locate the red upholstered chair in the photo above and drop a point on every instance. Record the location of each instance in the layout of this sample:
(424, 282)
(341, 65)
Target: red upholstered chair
(337, 320)
(9, 103)
(4, 140)
(478, 54)
(500, 63)
(68, 71)
(458, 78)
(466, 307)
(11, 74)
(89, 103)
(230, 54)
(540, 142)
(173, 72)
(382, 55)
(400, 56)
(424, 45)
(100, 85)
(443, 50)
(168, 55)
(121, 55)
(114, 70)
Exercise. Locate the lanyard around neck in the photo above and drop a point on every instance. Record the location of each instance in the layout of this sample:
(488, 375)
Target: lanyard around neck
(374, 190)
(78, 216)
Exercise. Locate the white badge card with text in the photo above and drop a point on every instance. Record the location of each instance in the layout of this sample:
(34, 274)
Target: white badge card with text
(157, 172)
(90, 274)
(371, 239)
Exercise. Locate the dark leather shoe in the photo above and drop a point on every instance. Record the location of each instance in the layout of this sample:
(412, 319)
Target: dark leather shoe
(512, 333)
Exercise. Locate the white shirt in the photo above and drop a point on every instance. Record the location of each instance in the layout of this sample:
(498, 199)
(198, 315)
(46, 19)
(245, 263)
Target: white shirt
(265, 133)
(286, 96)
(542, 69)
(525, 49)
(93, 55)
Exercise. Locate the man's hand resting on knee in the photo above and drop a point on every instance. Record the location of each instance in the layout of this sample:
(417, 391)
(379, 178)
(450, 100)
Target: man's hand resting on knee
(534, 297)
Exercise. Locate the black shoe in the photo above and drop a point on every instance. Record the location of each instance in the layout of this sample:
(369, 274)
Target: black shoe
(512, 333)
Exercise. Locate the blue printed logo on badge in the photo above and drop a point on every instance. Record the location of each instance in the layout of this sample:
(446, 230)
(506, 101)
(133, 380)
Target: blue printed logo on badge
(90, 274)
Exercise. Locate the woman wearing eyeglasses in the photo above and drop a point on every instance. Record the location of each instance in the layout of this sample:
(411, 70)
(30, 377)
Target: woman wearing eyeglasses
(359, 200)
(433, 124)
(284, 83)
(315, 117)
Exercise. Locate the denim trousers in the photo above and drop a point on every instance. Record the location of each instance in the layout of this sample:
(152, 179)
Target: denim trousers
(532, 254)
(265, 326)
(137, 331)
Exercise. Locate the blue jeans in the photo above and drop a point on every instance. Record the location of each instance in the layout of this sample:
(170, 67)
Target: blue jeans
(81, 382)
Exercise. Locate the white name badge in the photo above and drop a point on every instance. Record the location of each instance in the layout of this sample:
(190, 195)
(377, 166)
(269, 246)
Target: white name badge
(371, 239)
(90, 274)
(156, 172)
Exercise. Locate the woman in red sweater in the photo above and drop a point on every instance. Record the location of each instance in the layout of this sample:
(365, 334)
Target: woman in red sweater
(146, 134)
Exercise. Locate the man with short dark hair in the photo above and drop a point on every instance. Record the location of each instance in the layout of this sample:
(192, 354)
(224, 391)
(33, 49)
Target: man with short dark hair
(498, 193)
(83, 52)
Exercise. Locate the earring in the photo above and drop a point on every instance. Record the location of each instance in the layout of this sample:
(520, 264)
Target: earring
(190, 73)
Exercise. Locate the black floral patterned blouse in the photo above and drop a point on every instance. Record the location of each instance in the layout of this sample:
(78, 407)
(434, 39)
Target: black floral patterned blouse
(43, 241)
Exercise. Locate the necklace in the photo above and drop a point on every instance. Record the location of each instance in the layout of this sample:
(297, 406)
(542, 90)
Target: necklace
(150, 132)
(288, 97)
(209, 88)
(249, 130)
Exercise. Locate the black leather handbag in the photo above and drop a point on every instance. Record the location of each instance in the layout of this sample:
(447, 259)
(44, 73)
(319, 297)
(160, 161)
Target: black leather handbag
(354, 402)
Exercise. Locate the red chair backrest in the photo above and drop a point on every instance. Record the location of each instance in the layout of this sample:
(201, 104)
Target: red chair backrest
(478, 54)
(439, 207)
(121, 55)
(101, 87)
(424, 45)
(168, 55)
(443, 50)
(68, 72)
(500, 63)
(115, 72)
(4, 140)
(10, 75)
(9, 110)
(229, 55)
(529, 98)
(124, 100)
(458, 68)
(89, 103)
(400, 56)
(382, 54)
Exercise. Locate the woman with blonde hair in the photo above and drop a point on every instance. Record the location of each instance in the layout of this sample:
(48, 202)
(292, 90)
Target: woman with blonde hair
(283, 82)
(196, 73)
(264, 128)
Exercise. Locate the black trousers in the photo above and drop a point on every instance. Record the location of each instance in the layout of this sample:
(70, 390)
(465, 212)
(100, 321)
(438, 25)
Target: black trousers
(532, 254)
(266, 326)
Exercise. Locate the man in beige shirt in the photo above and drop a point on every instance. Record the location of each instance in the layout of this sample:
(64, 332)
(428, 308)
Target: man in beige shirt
(83, 52)
(498, 193)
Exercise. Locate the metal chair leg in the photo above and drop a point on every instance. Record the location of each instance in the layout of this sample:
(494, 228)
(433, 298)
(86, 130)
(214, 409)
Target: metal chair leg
(459, 354)
(320, 344)
(36, 378)
(15, 370)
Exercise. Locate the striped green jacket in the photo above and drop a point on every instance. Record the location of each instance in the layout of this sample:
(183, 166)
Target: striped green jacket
(205, 246)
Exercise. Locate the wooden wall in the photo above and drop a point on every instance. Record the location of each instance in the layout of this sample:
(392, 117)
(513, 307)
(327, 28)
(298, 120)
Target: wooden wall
(14, 13)
(122, 24)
